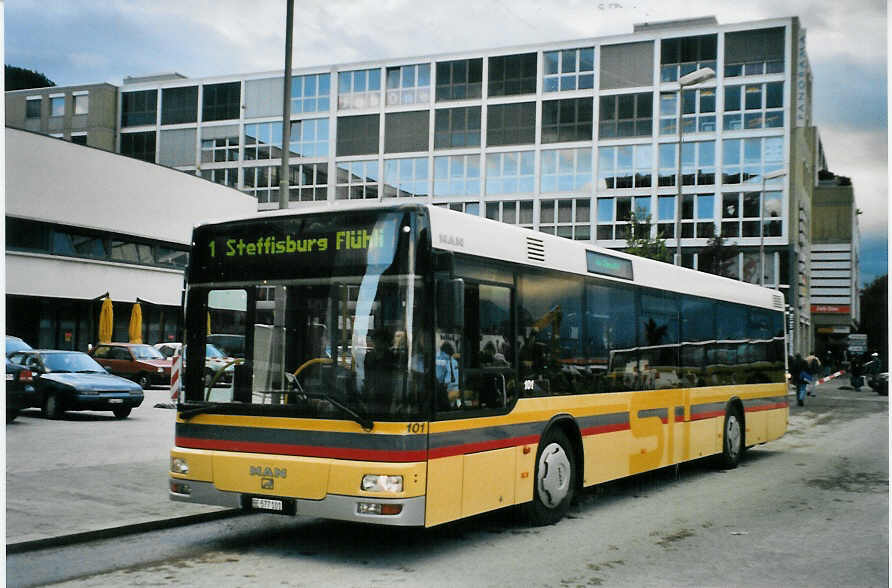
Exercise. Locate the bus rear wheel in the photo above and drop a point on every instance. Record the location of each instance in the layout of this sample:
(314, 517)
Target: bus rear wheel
(555, 480)
(732, 439)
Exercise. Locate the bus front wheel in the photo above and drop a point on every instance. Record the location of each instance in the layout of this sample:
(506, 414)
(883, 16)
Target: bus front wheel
(555, 480)
(732, 439)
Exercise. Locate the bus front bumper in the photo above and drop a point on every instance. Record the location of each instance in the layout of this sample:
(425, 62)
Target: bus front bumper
(333, 506)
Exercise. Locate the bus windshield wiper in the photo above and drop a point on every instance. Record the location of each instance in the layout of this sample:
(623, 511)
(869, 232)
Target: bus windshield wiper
(188, 414)
(365, 422)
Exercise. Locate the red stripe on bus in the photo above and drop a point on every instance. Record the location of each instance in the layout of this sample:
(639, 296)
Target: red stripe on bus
(302, 450)
(766, 407)
(605, 429)
(707, 415)
(482, 446)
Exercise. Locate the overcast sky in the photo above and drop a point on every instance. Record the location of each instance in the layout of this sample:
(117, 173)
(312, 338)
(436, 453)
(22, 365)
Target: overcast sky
(89, 41)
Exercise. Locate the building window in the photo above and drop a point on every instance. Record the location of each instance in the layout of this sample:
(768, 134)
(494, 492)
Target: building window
(626, 166)
(567, 120)
(359, 89)
(459, 80)
(406, 131)
(510, 173)
(615, 215)
(405, 177)
(457, 175)
(179, 105)
(666, 217)
(177, 147)
(309, 138)
(409, 84)
(79, 138)
(357, 180)
(679, 57)
(139, 108)
(81, 103)
(57, 105)
(227, 176)
(262, 183)
(569, 69)
(310, 93)
(41, 237)
(745, 160)
(311, 180)
(221, 101)
(510, 75)
(32, 108)
(754, 106)
(219, 144)
(754, 52)
(570, 218)
(741, 212)
(357, 135)
(512, 212)
(697, 213)
(697, 163)
(263, 141)
(698, 111)
(567, 170)
(511, 124)
(626, 115)
(472, 208)
(457, 127)
(139, 145)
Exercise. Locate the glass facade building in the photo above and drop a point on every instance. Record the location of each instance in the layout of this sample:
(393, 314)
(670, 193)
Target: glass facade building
(574, 138)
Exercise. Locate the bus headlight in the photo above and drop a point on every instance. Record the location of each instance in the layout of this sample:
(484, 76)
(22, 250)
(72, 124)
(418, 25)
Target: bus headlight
(178, 465)
(382, 483)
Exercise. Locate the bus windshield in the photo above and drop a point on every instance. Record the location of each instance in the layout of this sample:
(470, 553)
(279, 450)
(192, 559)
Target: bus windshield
(339, 337)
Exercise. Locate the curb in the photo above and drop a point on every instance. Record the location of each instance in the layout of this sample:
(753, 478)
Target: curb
(74, 538)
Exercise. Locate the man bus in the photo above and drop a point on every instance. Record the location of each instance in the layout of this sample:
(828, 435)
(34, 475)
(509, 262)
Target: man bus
(576, 365)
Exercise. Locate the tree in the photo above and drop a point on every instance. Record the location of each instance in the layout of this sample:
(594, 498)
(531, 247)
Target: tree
(875, 315)
(718, 258)
(19, 78)
(640, 243)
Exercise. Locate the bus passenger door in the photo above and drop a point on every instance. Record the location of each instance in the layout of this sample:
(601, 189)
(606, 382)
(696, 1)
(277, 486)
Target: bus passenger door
(465, 476)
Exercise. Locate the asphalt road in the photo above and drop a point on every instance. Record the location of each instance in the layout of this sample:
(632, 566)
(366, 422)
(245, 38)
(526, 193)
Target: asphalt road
(810, 509)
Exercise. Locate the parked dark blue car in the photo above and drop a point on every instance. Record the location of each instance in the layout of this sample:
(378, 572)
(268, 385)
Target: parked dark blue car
(71, 380)
(20, 392)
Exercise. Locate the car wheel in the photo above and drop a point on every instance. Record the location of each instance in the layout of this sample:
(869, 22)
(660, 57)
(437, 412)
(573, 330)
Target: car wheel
(52, 408)
(144, 381)
(11, 415)
(555, 480)
(732, 440)
(122, 412)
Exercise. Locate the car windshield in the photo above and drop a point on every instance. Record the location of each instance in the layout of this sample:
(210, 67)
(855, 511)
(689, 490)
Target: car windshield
(14, 344)
(71, 362)
(145, 352)
(212, 352)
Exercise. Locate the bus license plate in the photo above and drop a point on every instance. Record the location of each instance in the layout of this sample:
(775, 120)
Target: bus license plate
(267, 504)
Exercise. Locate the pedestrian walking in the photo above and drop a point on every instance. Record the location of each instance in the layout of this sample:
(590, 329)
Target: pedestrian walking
(800, 376)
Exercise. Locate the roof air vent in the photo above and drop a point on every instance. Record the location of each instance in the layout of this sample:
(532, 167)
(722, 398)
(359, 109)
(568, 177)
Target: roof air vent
(535, 249)
(779, 301)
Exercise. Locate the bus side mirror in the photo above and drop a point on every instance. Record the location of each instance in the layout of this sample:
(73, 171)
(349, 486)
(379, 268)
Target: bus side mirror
(450, 304)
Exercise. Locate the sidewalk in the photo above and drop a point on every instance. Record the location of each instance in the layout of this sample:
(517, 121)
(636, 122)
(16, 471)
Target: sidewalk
(94, 502)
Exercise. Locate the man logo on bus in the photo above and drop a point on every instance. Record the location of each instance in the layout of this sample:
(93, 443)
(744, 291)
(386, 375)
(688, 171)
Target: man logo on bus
(267, 472)
(452, 240)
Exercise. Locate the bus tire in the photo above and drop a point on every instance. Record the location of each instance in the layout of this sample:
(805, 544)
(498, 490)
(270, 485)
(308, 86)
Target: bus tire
(732, 439)
(555, 481)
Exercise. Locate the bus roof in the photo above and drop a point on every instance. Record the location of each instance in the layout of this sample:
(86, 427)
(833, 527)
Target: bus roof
(482, 237)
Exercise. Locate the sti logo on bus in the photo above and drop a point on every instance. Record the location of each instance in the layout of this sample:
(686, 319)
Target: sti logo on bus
(452, 240)
(267, 472)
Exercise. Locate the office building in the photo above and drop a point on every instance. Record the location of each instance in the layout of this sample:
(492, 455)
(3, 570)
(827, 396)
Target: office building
(572, 138)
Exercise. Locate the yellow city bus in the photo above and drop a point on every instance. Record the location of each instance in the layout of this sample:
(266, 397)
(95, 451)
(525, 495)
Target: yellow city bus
(410, 365)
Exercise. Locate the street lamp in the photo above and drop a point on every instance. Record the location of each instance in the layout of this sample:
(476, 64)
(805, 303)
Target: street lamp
(779, 173)
(695, 77)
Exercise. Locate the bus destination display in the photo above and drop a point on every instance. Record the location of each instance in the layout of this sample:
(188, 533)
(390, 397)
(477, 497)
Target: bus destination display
(608, 265)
